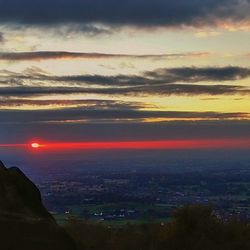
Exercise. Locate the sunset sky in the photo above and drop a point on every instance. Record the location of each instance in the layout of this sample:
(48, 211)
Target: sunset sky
(134, 70)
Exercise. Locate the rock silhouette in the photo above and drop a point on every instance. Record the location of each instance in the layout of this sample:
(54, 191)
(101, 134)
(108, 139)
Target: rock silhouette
(24, 221)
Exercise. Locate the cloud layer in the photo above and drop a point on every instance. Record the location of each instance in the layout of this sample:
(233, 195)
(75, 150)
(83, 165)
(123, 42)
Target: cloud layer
(93, 115)
(130, 12)
(170, 89)
(164, 81)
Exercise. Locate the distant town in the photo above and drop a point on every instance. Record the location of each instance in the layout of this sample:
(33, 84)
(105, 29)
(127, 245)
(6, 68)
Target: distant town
(135, 197)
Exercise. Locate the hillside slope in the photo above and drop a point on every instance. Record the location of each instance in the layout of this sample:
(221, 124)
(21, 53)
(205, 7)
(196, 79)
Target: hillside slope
(24, 221)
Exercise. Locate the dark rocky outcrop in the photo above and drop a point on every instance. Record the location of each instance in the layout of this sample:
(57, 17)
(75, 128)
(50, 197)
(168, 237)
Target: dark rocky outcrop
(24, 221)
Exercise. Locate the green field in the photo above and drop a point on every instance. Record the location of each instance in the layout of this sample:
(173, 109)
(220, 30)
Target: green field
(145, 213)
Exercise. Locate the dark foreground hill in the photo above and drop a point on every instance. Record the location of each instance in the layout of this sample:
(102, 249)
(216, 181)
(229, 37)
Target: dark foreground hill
(24, 222)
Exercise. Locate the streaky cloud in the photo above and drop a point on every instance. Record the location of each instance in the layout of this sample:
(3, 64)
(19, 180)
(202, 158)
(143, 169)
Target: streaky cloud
(169, 89)
(52, 55)
(148, 78)
(6, 103)
(164, 81)
(91, 115)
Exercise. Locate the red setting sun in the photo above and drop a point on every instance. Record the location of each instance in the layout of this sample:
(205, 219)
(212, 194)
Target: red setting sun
(35, 145)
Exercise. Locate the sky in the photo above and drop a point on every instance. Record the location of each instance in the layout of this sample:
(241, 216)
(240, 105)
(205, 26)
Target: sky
(134, 70)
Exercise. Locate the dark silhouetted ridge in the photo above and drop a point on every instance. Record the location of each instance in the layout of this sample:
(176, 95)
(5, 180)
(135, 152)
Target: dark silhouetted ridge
(24, 221)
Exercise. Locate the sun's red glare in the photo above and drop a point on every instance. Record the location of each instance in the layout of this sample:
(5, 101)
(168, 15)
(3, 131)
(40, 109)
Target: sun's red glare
(165, 144)
(35, 145)
(143, 145)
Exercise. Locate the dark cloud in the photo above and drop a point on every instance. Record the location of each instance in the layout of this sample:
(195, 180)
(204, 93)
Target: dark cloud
(2, 38)
(86, 104)
(157, 77)
(173, 81)
(47, 55)
(90, 30)
(169, 89)
(163, 76)
(92, 115)
(194, 74)
(130, 12)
